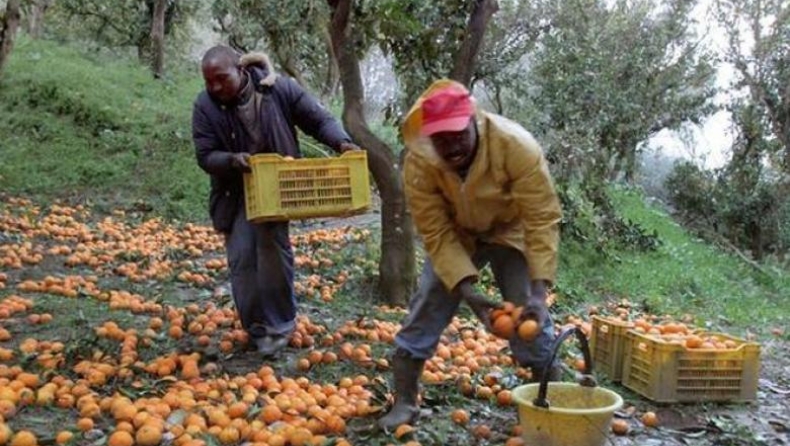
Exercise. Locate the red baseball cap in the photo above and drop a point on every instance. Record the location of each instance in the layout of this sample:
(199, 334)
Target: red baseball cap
(447, 109)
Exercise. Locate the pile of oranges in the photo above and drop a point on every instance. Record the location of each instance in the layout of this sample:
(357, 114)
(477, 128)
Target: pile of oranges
(674, 332)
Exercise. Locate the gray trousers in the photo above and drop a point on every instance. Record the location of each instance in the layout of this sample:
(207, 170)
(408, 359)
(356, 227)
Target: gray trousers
(261, 263)
(432, 308)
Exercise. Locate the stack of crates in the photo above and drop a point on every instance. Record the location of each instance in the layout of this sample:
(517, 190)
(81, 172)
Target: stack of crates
(665, 370)
(280, 189)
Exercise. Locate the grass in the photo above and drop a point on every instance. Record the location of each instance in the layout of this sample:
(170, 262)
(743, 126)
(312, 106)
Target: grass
(99, 131)
(685, 275)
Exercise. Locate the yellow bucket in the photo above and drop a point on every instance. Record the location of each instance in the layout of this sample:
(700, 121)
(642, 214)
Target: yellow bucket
(578, 415)
(566, 414)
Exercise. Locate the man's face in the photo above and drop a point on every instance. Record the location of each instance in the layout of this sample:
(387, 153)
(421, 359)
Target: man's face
(457, 149)
(223, 80)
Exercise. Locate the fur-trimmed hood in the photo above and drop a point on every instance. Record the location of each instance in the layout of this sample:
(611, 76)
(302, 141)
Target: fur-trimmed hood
(260, 66)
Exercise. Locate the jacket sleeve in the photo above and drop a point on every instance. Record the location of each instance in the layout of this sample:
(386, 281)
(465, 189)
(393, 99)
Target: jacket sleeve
(533, 190)
(211, 156)
(310, 116)
(430, 213)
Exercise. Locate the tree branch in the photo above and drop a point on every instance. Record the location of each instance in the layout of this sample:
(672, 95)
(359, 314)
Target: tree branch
(464, 64)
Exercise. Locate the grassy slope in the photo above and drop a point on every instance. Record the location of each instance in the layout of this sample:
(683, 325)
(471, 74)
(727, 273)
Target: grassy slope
(90, 128)
(100, 130)
(685, 275)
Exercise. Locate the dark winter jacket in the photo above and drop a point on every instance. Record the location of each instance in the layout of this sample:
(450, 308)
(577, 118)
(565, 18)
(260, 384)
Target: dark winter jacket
(217, 133)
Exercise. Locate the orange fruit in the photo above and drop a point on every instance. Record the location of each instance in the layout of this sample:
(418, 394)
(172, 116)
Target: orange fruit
(335, 424)
(148, 435)
(693, 341)
(271, 413)
(84, 424)
(303, 364)
(120, 438)
(300, 436)
(504, 326)
(24, 438)
(528, 330)
(650, 419)
(238, 409)
(62, 437)
(403, 430)
(5, 433)
(460, 417)
(504, 397)
(482, 431)
(506, 309)
(515, 441)
(620, 427)
(229, 435)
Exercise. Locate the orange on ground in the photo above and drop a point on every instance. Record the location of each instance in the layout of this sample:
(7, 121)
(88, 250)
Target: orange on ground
(460, 417)
(24, 438)
(620, 427)
(650, 419)
(148, 435)
(120, 438)
(482, 431)
(62, 437)
(403, 430)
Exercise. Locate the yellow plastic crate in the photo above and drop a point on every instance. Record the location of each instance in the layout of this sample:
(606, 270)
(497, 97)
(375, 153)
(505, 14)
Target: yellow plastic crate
(607, 341)
(278, 189)
(671, 373)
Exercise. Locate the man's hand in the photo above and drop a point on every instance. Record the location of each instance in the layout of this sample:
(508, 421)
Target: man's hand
(535, 306)
(480, 306)
(347, 146)
(241, 161)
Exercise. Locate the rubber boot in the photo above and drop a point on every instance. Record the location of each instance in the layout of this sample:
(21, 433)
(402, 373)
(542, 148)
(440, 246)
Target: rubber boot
(406, 375)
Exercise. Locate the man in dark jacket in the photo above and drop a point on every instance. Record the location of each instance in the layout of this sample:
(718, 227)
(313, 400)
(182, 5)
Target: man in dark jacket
(247, 109)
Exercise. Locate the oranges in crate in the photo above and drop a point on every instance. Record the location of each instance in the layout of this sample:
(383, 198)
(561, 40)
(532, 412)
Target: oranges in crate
(506, 322)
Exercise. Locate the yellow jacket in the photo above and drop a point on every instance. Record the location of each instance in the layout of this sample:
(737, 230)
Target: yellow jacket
(507, 198)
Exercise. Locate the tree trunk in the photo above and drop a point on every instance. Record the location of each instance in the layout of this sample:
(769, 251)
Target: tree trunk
(158, 39)
(289, 66)
(332, 71)
(397, 266)
(36, 17)
(8, 28)
(464, 64)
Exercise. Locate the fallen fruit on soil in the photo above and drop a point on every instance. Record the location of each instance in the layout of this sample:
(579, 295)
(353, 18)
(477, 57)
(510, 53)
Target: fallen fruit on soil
(620, 427)
(650, 419)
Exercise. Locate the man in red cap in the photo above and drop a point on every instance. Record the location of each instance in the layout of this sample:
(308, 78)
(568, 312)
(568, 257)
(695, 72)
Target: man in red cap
(479, 191)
